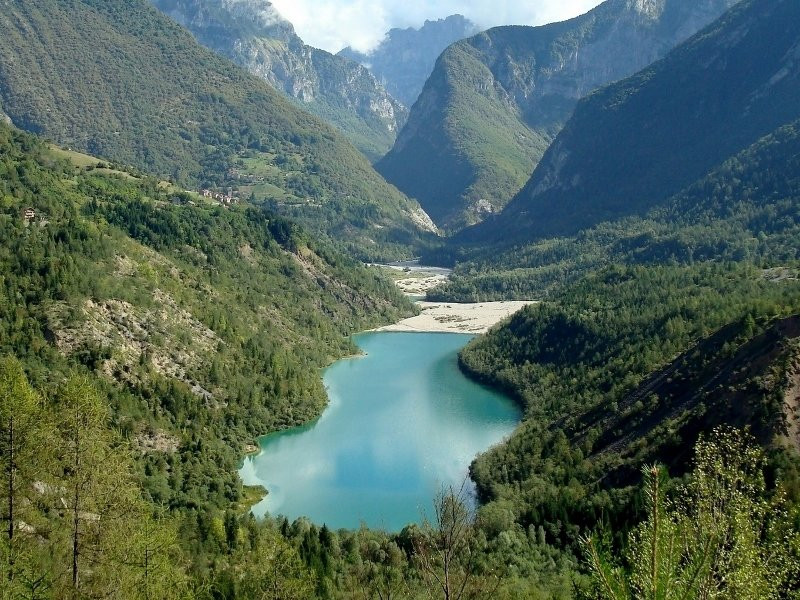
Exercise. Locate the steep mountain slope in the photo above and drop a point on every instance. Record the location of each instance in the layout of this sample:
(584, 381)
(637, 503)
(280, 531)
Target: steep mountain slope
(403, 61)
(494, 102)
(123, 81)
(634, 144)
(254, 35)
(747, 207)
(742, 374)
(735, 376)
(202, 324)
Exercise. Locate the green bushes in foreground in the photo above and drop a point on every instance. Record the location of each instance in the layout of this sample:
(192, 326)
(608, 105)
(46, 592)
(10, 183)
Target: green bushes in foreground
(722, 536)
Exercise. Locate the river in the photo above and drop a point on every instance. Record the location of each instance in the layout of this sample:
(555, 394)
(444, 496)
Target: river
(402, 422)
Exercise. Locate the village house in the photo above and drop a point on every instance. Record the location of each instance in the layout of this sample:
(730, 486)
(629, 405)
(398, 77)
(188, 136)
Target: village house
(226, 199)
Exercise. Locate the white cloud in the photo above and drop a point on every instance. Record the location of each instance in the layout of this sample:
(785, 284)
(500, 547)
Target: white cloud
(334, 24)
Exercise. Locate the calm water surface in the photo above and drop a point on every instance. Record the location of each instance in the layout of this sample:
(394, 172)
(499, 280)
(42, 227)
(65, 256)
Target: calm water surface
(402, 421)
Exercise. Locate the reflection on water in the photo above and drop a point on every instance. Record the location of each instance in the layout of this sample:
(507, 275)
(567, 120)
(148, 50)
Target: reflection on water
(402, 421)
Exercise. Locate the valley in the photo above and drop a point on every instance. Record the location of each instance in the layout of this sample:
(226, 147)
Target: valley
(494, 102)
(552, 332)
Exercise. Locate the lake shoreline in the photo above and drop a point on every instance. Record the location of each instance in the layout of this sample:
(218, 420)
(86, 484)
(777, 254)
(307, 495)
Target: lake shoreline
(398, 425)
(475, 318)
(453, 317)
(448, 318)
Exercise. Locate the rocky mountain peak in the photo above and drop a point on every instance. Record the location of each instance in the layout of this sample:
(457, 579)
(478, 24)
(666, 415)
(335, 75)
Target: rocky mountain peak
(262, 16)
(651, 9)
(405, 58)
(250, 18)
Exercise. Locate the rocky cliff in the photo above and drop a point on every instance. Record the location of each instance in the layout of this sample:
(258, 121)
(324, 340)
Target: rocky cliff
(253, 34)
(405, 58)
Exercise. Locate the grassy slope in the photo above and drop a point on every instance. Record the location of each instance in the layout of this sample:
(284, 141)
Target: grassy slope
(144, 93)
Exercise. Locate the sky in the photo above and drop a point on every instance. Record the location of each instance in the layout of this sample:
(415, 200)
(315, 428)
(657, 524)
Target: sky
(334, 24)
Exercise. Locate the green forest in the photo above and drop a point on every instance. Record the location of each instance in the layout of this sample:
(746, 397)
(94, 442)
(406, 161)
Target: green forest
(121, 442)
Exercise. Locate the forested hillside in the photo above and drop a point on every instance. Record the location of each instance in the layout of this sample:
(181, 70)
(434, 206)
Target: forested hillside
(124, 82)
(626, 368)
(745, 209)
(494, 102)
(254, 35)
(198, 327)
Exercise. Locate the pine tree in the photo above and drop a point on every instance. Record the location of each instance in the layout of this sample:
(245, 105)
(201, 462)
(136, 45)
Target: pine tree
(21, 448)
(723, 537)
(102, 505)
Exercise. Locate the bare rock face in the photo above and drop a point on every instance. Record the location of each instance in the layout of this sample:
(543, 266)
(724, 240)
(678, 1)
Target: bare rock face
(405, 58)
(254, 35)
(4, 118)
(623, 37)
(494, 102)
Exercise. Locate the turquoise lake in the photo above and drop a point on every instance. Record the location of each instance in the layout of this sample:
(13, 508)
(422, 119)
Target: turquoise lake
(402, 421)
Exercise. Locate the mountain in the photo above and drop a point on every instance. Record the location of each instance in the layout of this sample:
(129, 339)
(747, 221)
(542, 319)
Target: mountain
(122, 81)
(404, 59)
(634, 144)
(494, 102)
(254, 35)
(745, 208)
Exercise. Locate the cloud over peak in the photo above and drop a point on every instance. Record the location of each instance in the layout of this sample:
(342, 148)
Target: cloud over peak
(334, 24)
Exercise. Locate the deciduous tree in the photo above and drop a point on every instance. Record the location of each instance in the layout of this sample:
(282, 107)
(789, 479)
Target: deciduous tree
(447, 552)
